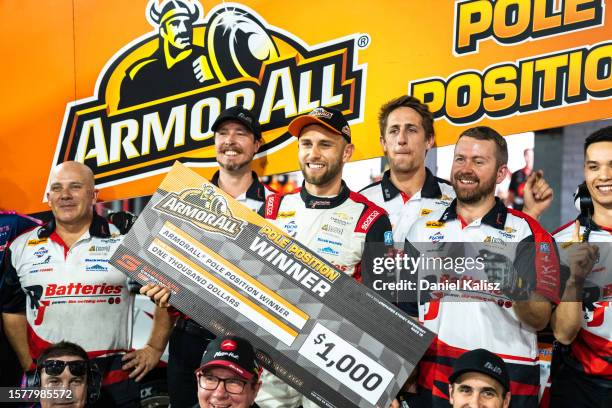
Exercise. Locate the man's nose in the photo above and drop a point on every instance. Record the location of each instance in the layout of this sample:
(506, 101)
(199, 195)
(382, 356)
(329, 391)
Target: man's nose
(220, 391)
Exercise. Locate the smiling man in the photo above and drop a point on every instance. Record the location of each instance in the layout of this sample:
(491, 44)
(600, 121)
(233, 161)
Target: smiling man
(59, 285)
(583, 320)
(500, 321)
(229, 374)
(479, 380)
(324, 215)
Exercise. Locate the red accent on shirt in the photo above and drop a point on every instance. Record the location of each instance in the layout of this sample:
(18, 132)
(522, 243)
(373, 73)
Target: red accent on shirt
(57, 239)
(405, 197)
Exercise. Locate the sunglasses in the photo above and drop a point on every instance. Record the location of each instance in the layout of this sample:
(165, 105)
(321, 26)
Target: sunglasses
(56, 367)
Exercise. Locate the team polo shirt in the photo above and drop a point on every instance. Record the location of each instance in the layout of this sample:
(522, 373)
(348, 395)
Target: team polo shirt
(255, 194)
(403, 210)
(336, 228)
(591, 351)
(70, 294)
(490, 324)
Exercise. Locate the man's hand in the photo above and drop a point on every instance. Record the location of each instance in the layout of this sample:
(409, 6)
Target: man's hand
(157, 293)
(537, 194)
(581, 255)
(394, 404)
(141, 361)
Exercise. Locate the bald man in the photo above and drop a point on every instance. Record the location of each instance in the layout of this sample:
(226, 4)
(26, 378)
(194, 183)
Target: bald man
(58, 285)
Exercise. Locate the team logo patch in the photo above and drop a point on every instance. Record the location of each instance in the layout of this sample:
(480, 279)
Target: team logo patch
(425, 211)
(96, 268)
(41, 252)
(434, 224)
(388, 238)
(437, 237)
(544, 247)
(34, 242)
(157, 97)
(229, 345)
(328, 251)
(204, 208)
(331, 229)
(290, 228)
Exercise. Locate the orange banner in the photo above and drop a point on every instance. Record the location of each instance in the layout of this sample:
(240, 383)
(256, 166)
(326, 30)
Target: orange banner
(128, 87)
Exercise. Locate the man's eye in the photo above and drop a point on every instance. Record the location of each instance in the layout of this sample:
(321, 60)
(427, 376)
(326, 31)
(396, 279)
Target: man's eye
(489, 394)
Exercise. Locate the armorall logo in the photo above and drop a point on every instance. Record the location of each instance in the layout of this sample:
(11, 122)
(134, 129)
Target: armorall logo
(203, 208)
(156, 99)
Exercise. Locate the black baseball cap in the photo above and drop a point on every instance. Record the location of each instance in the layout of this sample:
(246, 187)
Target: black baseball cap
(242, 115)
(234, 353)
(481, 361)
(330, 118)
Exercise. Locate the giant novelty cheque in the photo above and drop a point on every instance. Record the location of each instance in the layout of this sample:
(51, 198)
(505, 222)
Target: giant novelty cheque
(233, 272)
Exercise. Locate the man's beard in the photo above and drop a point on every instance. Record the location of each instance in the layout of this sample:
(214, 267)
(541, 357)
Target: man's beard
(472, 196)
(333, 169)
(233, 165)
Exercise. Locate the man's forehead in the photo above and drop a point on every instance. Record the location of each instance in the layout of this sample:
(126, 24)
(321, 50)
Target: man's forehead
(231, 123)
(466, 145)
(478, 380)
(404, 114)
(599, 151)
(71, 173)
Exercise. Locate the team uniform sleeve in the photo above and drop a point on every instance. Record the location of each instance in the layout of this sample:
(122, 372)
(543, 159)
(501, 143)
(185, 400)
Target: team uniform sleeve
(12, 297)
(378, 240)
(538, 269)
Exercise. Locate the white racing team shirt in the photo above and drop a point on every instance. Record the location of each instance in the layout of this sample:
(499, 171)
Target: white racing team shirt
(490, 322)
(70, 294)
(403, 210)
(591, 351)
(336, 228)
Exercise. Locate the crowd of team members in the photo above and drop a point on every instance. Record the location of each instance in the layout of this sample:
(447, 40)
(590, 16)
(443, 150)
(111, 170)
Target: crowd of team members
(68, 259)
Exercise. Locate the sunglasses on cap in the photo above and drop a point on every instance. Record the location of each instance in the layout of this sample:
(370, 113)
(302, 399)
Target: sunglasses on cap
(56, 367)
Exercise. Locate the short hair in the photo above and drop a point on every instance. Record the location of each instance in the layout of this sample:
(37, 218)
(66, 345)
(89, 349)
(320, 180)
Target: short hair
(487, 133)
(408, 102)
(601, 135)
(63, 348)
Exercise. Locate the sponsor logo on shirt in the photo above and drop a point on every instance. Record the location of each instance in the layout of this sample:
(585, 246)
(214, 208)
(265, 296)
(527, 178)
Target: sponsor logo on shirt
(329, 241)
(99, 249)
(425, 211)
(41, 252)
(328, 251)
(494, 240)
(434, 224)
(96, 268)
(43, 262)
(290, 228)
(388, 238)
(34, 242)
(285, 214)
(437, 237)
(332, 229)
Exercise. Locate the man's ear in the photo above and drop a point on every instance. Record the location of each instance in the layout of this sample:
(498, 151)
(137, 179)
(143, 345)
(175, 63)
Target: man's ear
(348, 152)
(95, 195)
(258, 143)
(430, 142)
(450, 394)
(501, 173)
